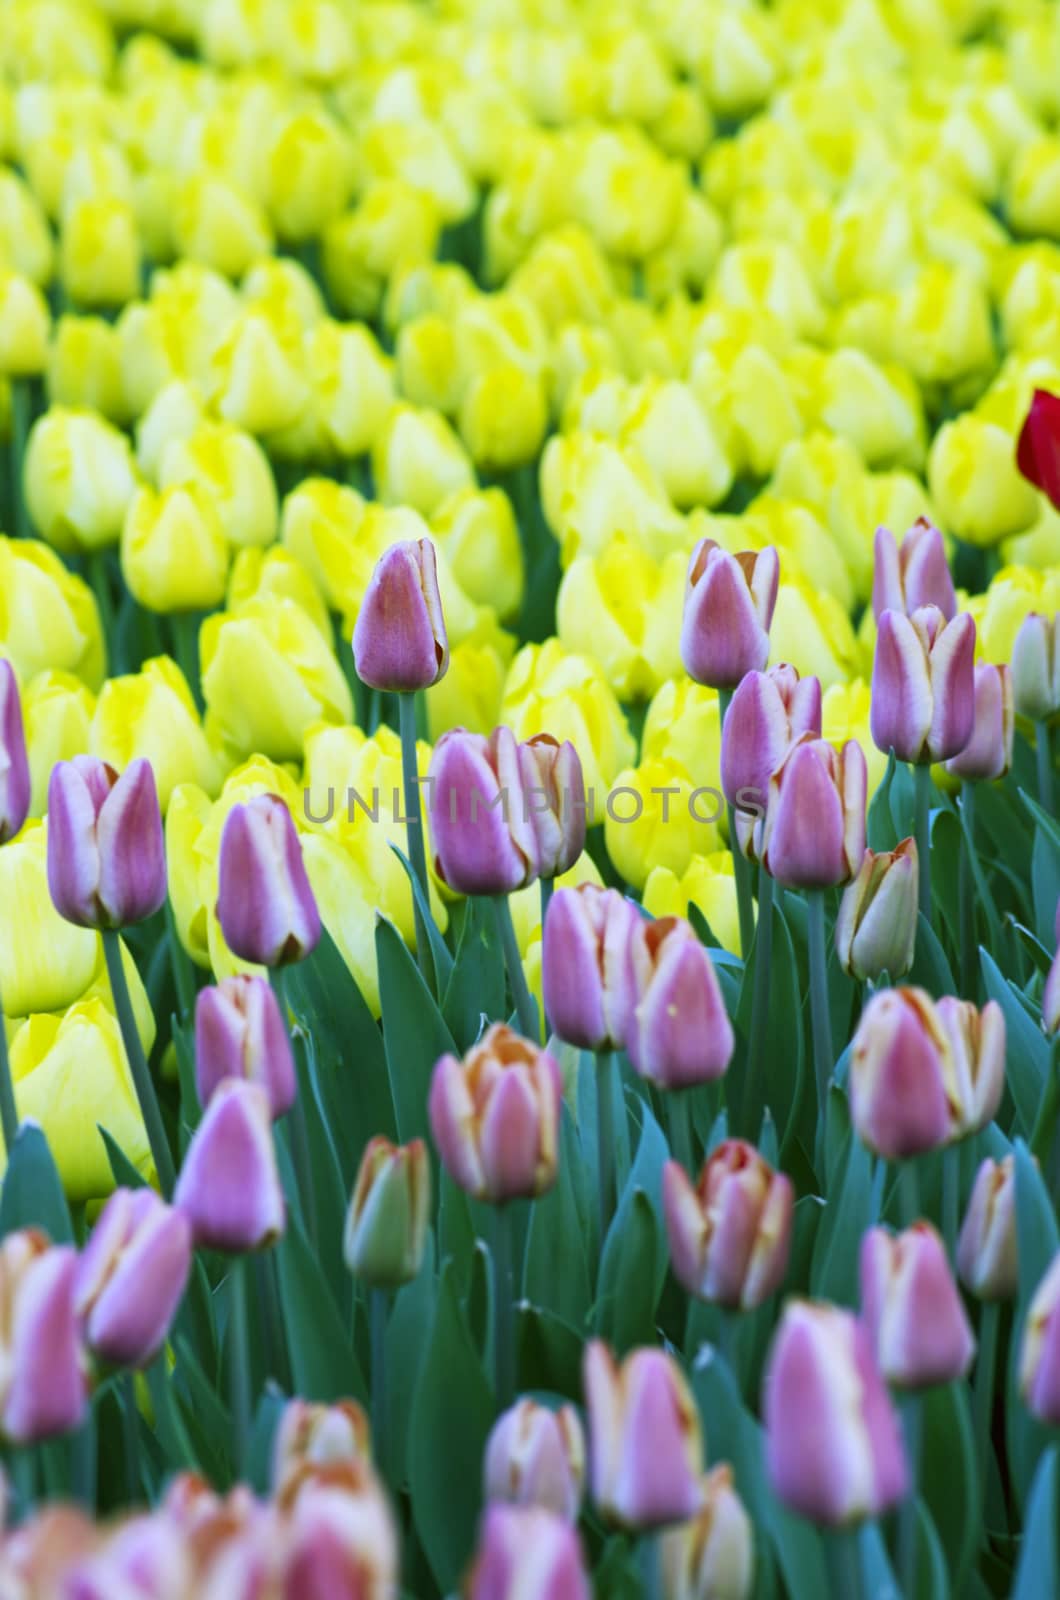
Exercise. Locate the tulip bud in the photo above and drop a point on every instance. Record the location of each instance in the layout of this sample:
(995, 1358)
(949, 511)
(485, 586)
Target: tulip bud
(1040, 1351)
(106, 851)
(481, 824)
(310, 1434)
(42, 1381)
(729, 604)
(15, 784)
(338, 1538)
(813, 836)
(875, 931)
(912, 1308)
(711, 1557)
(527, 1553)
(264, 903)
(923, 684)
(399, 640)
(1036, 667)
(679, 1033)
(769, 712)
(1038, 449)
(586, 966)
(917, 575)
(987, 1250)
(174, 555)
(240, 1032)
(495, 1117)
(988, 753)
(1051, 995)
(976, 1063)
(898, 1079)
(645, 1442)
(229, 1185)
(552, 774)
(536, 1457)
(131, 1277)
(389, 1214)
(730, 1233)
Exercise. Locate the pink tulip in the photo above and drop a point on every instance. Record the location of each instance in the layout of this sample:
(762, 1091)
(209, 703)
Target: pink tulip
(389, 1214)
(645, 1441)
(976, 1064)
(899, 1099)
(813, 836)
(1051, 998)
(131, 1277)
(536, 1457)
(913, 1309)
(1039, 1369)
(106, 850)
(587, 966)
(554, 787)
(337, 1539)
(730, 1233)
(729, 603)
(988, 753)
(711, 1557)
(266, 908)
(482, 821)
(923, 685)
(679, 1032)
(43, 1389)
(399, 639)
(1036, 667)
(1038, 447)
(987, 1251)
(311, 1434)
(916, 575)
(15, 785)
(875, 931)
(229, 1185)
(769, 711)
(240, 1032)
(527, 1553)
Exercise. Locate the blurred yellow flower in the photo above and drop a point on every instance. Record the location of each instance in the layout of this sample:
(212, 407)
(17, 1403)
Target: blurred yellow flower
(708, 882)
(232, 471)
(79, 479)
(469, 695)
(151, 713)
(624, 609)
(811, 630)
(975, 483)
(174, 556)
(84, 367)
(656, 816)
(551, 691)
(503, 417)
(683, 724)
(276, 573)
(477, 531)
(99, 252)
(308, 174)
(48, 615)
(845, 715)
(46, 963)
(417, 460)
(25, 324)
(57, 712)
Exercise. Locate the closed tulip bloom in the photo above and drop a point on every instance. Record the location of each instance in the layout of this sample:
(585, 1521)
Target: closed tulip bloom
(916, 575)
(131, 1277)
(912, 1308)
(106, 850)
(587, 966)
(495, 1117)
(229, 1185)
(15, 783)
(310, 1434)
(712, 1556)
(240, 1032)
(555, 791)
(481, 824)
(536, 1457)
(645, 1440)
(875, 931)
(833, 1445)
(730, 1233)
(527, 1553)
(1039, 1369)
(679, 1033)
(1036, 667)
(1038, 449)
(923, 684)
(338, 1538)
(174, 555)
(389, 1214)
(899, 1098)
(264, 902)
(729, 604)
(769, 712)
(976, 1063)
(988, 753)
(399, 639)
(42, 1379)
(813, 836)
(987, 1249)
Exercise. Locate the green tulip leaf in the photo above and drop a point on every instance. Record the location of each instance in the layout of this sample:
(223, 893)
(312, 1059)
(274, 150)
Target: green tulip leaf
(1027, 1050)
(414, 1033)
(556, 1273)
(475, 988)
(33, 1194)
(847, 1214)
(1038, 1573)
(323, 1362)
(950, 1479)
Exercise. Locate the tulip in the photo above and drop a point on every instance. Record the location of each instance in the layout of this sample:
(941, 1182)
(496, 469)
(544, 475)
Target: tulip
(679, 1033)
(264, 903)
(536, 1457)
(338, 1538)
(483, 831)
(1039, 1368)
(49, 619)
(645, 1443)
(729, 603)
(987, 1252)
(152, 713)
(389, 1214)
(586, 966)
(527, 1553)
(552, 773)
(1036, 667)
(42, 1380)
(917, 575)
(495, 1117)
(399, 641)
(14, 760)
(229, 1185)
(833, 1445)
(131, 1277)
(988, 753)
(1051, 995)
(1038, 448)
(240, 1032)
(923, 684)
(711, 1557)
(899, 1099)
(174, 555)
(875, 930)
(976, 1062)
(813, 836)
(730, 1233)
(310, 1434)
(912, 1308)
(79, 479)
(769, 712)
(106, 851)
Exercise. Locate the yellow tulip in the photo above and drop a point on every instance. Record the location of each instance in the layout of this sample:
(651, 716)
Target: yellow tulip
(625, 609)
(308, 174)
(469, 696)
(347, 899)
(550, 691)
(503, 417)
(282, 288)
(57, 712)
(680, 441)
(813, 632)
(151, 713)
(25, 324)
(419, 154)
(79, 479)
(657, 817)
(84, 367)
(48, 615)
(25, 238)
(683, 724)
(353, 384)
(276, 573)
(174, 556)
(975, 483)
(877, 408)
(567, 277)
(175, 413)
(320, 526)
(708, 882)
(943, 331)
(216, 222)
(845, 715)
(477, 531)
(594, 491)
(526, 903)
(428, 363)
(394, 226)
(99, 252)
(626, 191)
(256, 376)
(232, 471)
(752, 397)
(45, 962)
(804, 542)
(417, 460)
(1034, 188)
(1000, 612)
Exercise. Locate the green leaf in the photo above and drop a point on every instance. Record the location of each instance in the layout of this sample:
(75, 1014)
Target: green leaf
(476, 985)
(407, 1341)
(1037, 1239)
(625, 1306)
(266, 1420)
(783, 1065)
(878, 1577)
(414, 1033)
(440, 953)
(848, 1212)
(549, 1353)
(949, 1475)
(1047, 824)
(323, 1361)
(452, 1411)
(33, 1194)
(1026, 1049)
(880, 830)
(125, 1174)
(1038, 1573)
(1045, 884)
(556, 1271)
(930, 969)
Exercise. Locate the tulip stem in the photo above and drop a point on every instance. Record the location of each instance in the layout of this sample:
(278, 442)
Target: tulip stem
(545, 887)
(680, 1127)
(650, 1563)
(912, 1427)
(820, 1018)
(605, 1141)
(239, 1364)
(130, 1428)
(378, 1310)
(1044, 746)
(297, 1125)
(503, 1309)
(983, 1387)
(965, 897)
(844, 1564)
(83, 1463)
(922, 789)
(141, 1072)
(759, 1006)
(740, 864)
(908, 1192)
(951, 1181)
(525, 1005)
(8, 1109)
(414, 829)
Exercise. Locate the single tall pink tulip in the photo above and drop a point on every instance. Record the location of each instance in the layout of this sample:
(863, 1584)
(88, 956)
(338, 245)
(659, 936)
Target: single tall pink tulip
(916, 575)
(769, 712)
(730, 1233)
(554, 786)
(645, 1441)
(399, 639)
(43, 1389)
(679, 1033)
(106, 850)
(923, 685)
(987, 1249)
(15, 785)
(913, 1308)
(240, 1032)
(587, 966)
(265, 905)
(899, 1078)
(813, 836)
(1038, 447)
(131, 1277)
(729, 603)
(482, 824)
(229, 1185)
